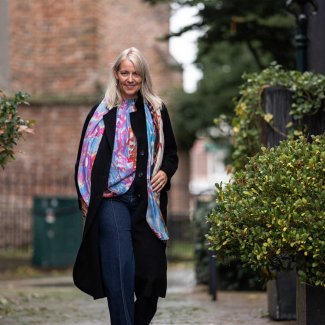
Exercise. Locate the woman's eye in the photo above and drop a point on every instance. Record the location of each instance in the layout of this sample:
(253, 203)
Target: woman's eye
(126, 74)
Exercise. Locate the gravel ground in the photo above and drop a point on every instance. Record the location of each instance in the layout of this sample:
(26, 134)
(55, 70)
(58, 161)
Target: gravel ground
(55, 301)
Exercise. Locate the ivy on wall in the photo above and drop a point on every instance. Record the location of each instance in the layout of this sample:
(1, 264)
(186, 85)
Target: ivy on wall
(308, 94)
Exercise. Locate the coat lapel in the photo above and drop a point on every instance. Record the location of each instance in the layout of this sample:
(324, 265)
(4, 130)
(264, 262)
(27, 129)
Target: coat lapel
(137, 118)
(110, 125)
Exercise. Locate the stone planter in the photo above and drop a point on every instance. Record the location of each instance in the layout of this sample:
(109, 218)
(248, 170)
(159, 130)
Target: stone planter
(310, 304)
(281, 296)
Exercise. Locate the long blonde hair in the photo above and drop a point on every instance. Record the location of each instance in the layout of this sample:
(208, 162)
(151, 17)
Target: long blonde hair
(113, 95)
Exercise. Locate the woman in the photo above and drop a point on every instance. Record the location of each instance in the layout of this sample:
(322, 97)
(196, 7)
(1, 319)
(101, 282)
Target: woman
(127, 156)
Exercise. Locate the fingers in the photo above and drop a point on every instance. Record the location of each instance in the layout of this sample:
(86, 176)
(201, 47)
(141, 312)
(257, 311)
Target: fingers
(84, 207)
(84, 211)
(159, 181)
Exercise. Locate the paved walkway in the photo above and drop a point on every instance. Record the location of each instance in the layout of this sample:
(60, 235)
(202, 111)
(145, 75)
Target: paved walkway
(54, 301)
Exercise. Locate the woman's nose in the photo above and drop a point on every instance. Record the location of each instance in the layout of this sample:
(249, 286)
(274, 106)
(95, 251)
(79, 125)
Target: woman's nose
(130, 77)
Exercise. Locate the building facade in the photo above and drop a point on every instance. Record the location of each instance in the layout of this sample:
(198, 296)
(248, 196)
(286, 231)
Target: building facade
(60, 53)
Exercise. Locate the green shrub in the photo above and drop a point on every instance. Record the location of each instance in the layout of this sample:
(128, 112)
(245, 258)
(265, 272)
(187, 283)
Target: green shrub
(272, 214)
(231, 275)
(12, 126)
(201, 257)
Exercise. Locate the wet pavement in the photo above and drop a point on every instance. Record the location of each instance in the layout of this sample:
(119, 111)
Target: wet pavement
(54, 301)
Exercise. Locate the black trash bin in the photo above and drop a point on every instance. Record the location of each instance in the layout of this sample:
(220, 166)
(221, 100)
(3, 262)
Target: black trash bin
(57, 230)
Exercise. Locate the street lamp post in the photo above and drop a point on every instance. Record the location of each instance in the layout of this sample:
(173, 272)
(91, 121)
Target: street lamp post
(299, 9)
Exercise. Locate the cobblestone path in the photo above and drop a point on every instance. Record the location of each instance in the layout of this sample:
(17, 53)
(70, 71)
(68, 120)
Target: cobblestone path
(55, 301)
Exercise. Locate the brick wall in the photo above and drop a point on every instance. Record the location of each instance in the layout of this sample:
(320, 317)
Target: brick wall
(53, 46)
(64, 49)
(127, 23)
(53, 147)
(67, 47)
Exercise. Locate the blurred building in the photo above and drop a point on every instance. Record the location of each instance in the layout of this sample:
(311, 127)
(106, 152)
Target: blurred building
(207, 167)
(60, 52)
(53, 48)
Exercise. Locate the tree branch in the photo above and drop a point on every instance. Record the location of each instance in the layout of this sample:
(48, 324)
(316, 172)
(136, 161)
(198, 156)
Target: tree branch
(255, 54)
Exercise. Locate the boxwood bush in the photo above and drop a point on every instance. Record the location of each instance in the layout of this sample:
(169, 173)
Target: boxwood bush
(231, 274)
(201, 256)
(272, 214)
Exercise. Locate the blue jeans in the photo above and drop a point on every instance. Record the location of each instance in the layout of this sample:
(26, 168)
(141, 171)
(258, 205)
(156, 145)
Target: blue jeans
(117, 260)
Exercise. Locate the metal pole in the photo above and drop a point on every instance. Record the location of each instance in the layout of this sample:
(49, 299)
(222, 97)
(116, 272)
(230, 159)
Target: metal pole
(213, 275)
(301, 42)
(299, 9)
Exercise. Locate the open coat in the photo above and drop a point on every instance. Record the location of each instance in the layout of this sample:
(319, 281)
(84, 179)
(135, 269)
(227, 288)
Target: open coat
(149, 251)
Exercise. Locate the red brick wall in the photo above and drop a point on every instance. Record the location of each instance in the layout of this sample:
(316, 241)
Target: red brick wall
(54, 145)
(53, 46)
(66, 47)
(127, 23)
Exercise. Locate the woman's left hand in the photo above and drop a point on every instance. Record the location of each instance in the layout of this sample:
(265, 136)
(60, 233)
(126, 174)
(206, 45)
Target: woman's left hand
(159, 181)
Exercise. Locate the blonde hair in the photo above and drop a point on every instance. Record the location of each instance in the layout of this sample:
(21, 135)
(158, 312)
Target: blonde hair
(113, 95)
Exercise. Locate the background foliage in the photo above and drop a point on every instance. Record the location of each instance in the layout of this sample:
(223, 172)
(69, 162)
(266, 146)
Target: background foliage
(231, 274)
(236, 36)
(12, 126)
(308, 95)
(222, 69)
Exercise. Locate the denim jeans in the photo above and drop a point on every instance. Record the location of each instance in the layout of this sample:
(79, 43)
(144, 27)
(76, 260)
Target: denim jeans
(117, 260)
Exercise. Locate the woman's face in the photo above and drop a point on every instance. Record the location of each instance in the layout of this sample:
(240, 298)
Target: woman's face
(129, 81)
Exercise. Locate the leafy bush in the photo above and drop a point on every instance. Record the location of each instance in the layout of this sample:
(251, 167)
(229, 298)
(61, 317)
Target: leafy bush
(272, 214)
(12, 126)
(231, 275)
(201, 256)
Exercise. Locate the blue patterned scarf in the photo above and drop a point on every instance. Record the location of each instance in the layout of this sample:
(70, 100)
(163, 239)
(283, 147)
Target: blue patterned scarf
(154, 216)
(120, 179)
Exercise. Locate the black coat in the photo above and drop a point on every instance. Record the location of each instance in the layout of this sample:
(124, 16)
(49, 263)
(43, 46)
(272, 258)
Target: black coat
(149, 251)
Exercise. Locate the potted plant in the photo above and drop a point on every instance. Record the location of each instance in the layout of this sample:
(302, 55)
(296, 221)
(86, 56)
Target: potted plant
(272, 214)
(261, 116)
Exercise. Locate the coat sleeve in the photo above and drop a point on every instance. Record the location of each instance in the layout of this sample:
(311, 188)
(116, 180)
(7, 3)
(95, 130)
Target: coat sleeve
(83, 132)
(170, 159)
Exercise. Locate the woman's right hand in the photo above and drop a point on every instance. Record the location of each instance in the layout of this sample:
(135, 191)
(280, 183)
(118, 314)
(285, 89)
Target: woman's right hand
(84, 207)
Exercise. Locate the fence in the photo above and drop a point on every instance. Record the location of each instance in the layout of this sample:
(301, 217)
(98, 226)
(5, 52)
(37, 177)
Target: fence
(17, 192)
